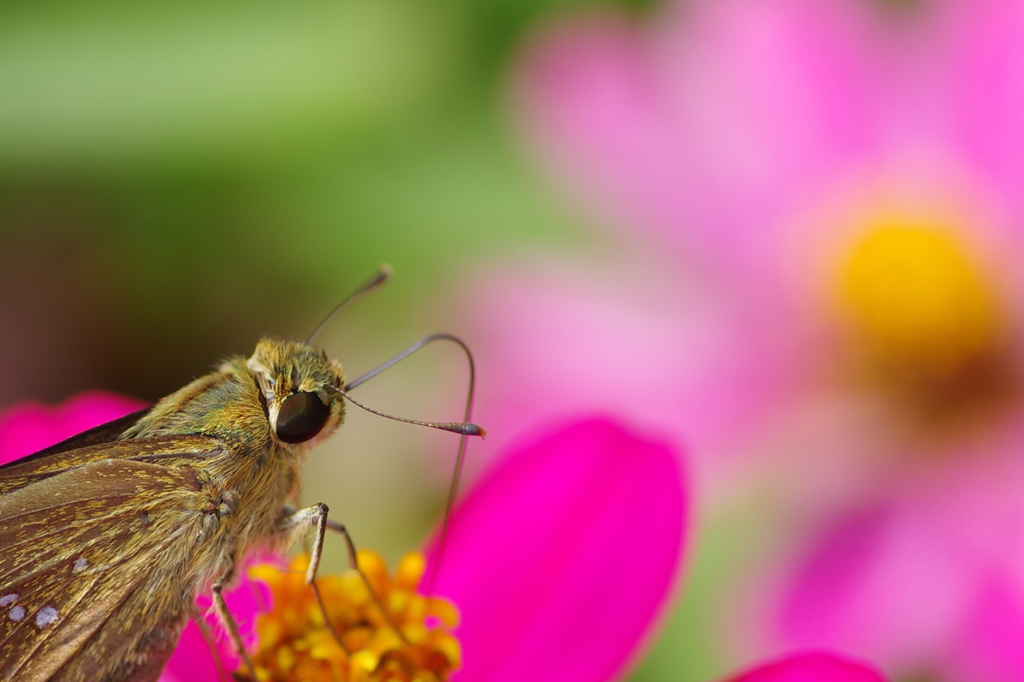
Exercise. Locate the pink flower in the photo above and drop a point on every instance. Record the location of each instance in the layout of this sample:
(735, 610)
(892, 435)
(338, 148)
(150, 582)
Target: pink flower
(562, 556)
(811, 667)
(193, 661)
(822, 220)
(559, 560)
(29, 427)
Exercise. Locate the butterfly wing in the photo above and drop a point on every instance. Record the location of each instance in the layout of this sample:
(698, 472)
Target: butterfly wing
(173, 450)
(87, 532)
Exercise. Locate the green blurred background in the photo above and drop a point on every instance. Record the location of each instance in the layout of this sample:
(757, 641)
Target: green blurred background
(178, 179)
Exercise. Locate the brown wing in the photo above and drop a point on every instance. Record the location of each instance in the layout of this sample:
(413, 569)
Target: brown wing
(169, 450)
(80, 545)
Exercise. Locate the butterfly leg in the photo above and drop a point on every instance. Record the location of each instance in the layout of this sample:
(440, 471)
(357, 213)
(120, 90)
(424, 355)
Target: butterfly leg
(230, 624)
(207, 635)
(317, 515)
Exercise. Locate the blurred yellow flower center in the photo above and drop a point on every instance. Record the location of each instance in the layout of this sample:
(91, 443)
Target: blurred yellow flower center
(913, 290)
(924, 314)
(295, 643)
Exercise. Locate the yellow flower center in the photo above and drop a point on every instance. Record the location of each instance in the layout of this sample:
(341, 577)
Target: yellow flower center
(296, 644)
(925, 316)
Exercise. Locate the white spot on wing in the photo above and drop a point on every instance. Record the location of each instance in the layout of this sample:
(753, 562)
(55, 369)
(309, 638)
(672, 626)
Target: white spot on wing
(46, 616)
(80, 564)
(7, 600)
(17, 613)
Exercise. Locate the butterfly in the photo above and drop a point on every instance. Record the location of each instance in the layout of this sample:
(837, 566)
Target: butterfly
(106, 538)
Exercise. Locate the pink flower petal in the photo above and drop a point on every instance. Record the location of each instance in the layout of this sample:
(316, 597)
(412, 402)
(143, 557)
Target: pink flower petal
(992, 645)
(192, 659)
(884, 583)
(29, 427)
(658, 355)
(708, 131)
(562, 556)
(988, 86)
(812, 667)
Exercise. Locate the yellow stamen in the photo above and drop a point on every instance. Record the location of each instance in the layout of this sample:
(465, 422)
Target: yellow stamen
(924, 314)
(295, 643)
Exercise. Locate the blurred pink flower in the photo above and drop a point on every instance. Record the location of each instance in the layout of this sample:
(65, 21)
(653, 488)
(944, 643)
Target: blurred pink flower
(823, 216)
(574, 539)
(29, 427)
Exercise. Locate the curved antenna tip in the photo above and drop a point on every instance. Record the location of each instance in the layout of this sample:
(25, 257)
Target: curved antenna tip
(382, 275)
(461, 428)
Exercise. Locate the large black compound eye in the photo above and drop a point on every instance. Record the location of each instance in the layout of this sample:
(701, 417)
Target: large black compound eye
(301, 417)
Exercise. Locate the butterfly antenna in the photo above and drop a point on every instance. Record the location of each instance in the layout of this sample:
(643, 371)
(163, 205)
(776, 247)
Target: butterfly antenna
(461, 428)
(382, 275)
(453, 489)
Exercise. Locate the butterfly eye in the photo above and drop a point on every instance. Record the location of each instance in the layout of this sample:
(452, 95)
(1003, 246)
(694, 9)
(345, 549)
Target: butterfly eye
(301, 417)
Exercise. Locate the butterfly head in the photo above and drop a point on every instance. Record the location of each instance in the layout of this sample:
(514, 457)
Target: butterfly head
(298, 386)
